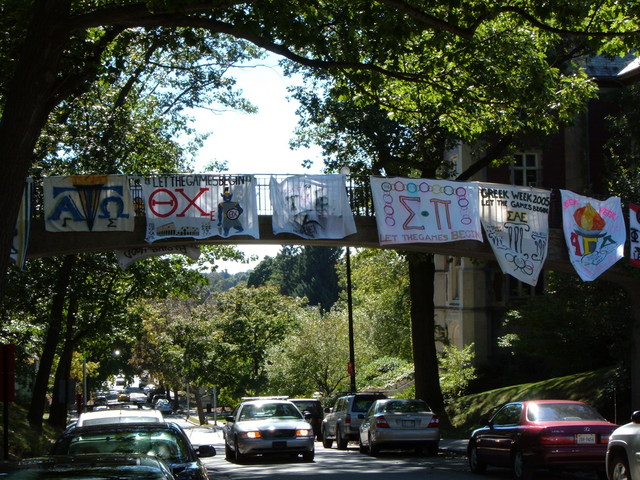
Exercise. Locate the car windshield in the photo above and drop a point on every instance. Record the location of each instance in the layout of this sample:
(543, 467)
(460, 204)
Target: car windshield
(269, 410)
(310, 406)
(561, 412)
(162, 444)
(362, 404)
(410, 406)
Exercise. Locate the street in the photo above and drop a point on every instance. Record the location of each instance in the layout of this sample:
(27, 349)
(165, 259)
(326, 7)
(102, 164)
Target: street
(351, 464)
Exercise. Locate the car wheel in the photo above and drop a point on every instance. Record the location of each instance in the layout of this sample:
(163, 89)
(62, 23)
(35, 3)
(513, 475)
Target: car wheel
(432, 449)
(475, 464)
(362, 448)
(326, 442)
(308, 456)
(373, 448)
(341, 442)
(239, 457)
(620, 468)
(228, 453)
(520, 470)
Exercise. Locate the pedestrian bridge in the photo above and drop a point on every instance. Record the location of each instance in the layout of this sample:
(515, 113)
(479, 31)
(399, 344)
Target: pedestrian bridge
(44, 244)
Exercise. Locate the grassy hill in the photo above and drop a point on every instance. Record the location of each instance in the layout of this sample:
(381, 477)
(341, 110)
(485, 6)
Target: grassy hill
(595, 388)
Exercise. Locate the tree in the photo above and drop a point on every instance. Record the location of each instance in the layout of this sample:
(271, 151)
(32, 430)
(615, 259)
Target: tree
(56, 48)
(307, 271)
(472, 70)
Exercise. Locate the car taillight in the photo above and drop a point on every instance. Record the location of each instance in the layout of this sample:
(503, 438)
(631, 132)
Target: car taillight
(434, 423)
(347, 419)
(381, 422)
(557, 440)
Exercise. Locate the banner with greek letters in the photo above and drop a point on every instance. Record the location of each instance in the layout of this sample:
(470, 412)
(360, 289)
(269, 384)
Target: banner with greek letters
(199, 206)
(23, 227)
(131, 255)
(516, 221)
(634, 235)
(420, 210)
(594, 231)
(88, 203)
(311, 206)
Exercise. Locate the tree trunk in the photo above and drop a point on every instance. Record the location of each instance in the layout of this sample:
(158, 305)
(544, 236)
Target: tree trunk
(28, 102)
(39, 397)
(63, 391)
(201, 417)
(425, 358)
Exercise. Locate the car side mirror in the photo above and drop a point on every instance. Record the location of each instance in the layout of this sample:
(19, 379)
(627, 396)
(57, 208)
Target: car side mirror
(205, 451)
(635, 416)
(307, 416)
(230, 419)
(328, 410)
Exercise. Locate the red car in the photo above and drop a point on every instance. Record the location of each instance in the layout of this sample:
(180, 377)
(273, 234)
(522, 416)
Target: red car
(557, 434)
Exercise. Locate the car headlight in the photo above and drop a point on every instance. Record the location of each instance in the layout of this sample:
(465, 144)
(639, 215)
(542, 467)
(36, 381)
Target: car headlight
(252, 434)
(303, 432)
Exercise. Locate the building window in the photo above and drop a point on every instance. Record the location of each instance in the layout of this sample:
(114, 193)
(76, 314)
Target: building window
(526, 170)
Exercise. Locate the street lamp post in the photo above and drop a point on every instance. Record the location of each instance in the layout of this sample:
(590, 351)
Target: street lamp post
(352, 361)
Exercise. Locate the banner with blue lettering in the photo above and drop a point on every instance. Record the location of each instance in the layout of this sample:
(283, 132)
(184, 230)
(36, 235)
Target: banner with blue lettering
(199, 206)
(516, 221)
(311, 206)
(594, 231)
(634, 235)
(88, 203)
(420, 210)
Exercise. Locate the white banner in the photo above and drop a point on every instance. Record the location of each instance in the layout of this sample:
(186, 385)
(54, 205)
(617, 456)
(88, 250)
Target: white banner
(23, 227)
(516, 221)
(311, 206)
(200, 206)
(634, 235)
(129, 256)
(88, 203)
(420, 210)
(594, 231)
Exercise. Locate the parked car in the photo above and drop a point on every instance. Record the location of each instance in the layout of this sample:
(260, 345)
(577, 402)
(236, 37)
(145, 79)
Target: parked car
(263, 427)
(166, 441)
(314, 407)
(623, 451)
(400, 423)
(92, 467)
(559, 434)
(136, 395)
(103, 417)
(343, 421)
(163, 406)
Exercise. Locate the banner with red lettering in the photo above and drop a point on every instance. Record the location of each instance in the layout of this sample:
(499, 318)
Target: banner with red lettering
(88, 203)
(311, 206)
(421, 210)
(634, 235)
(199, 206)
(594, 231)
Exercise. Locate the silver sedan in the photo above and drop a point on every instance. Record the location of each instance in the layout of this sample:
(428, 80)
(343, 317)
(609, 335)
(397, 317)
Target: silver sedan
(263, 427)
(393, 423)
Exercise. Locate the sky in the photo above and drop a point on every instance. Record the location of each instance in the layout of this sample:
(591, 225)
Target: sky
(256, 143)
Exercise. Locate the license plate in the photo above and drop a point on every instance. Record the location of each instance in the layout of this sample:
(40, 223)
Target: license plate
(280, 444)
(408, 423)
(584, 438)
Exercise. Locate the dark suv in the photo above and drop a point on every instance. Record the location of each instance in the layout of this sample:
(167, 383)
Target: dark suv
(314, 407)
(342, 422)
